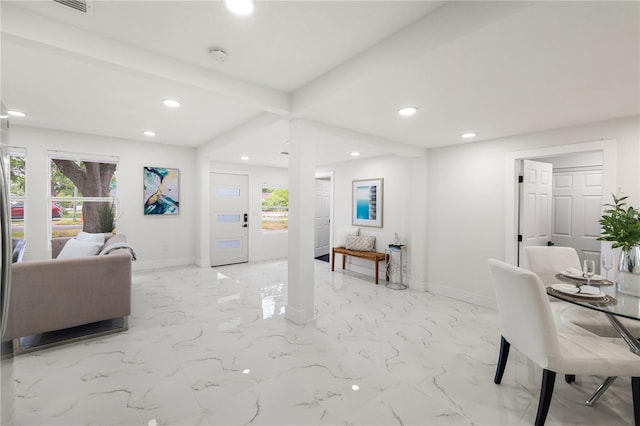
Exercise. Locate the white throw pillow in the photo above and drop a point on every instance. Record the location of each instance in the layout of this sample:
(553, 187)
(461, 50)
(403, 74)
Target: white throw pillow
(90, 238)
(344, 233)
(361, 243)
(76, 248)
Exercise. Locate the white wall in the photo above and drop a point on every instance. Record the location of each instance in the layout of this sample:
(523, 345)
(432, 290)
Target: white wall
(404, 208)
(262, 245)
(159, 241)
(466, 199)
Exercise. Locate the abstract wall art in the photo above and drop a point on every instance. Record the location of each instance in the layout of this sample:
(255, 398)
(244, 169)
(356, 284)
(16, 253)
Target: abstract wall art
(367, 202)
(161, 191)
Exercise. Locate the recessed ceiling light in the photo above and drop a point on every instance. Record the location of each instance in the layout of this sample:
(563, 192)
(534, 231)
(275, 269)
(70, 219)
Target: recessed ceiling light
(407, 111)
(240, 7)
(244, 157)
(355, 387)
(355, 154)
(149, 133)
(468, 135)
(16, 113)
(171, 103)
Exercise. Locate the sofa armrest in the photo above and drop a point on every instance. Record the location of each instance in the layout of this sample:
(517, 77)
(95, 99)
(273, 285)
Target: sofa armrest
(51, 295)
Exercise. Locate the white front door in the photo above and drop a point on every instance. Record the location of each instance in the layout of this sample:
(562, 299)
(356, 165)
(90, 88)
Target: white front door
(535, 203)
(323, 213)
(229, 219)
(577, 207)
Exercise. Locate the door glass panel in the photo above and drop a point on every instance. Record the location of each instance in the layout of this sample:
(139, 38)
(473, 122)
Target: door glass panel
(227, 192)
(227, 218)
(227, 244)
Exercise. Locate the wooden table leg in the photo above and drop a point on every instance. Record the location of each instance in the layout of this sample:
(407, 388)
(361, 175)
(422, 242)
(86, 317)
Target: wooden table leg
(376, 270)
(344, 259)
(333, 259)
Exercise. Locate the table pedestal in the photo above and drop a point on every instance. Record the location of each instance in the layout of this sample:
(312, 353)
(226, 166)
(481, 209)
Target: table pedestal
(634, 346)
(396, 266)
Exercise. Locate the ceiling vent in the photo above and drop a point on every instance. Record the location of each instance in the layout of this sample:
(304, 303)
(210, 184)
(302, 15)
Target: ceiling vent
(83, 6)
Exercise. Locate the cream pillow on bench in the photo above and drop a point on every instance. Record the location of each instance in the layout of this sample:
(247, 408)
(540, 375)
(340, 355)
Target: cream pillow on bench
(361, 243)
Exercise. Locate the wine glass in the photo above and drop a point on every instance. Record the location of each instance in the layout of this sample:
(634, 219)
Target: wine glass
(588, 270)
(607, 263)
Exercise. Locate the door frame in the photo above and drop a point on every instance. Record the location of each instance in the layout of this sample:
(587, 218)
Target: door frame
(330, 175)
(609, 149)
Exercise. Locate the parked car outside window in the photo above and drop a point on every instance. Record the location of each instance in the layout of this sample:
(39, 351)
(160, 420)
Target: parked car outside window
(17, 210)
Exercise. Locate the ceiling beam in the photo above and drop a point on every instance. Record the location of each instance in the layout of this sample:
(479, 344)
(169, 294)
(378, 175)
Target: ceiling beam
(35, 31)
(323, 133)
(448, 23)
(244, 130)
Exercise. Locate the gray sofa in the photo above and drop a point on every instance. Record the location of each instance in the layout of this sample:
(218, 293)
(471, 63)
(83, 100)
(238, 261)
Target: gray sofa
(56, 294)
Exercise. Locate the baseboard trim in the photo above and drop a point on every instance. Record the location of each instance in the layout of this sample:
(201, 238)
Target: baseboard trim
(418, 285)
(464, 296)
(203, 263)
(299, 316)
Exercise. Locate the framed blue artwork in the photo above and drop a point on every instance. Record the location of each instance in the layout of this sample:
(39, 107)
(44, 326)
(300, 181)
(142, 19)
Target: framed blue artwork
(367, 202)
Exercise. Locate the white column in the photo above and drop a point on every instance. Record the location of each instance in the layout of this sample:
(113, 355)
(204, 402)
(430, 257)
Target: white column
(302, 153)
(417, 220)
(204, 214)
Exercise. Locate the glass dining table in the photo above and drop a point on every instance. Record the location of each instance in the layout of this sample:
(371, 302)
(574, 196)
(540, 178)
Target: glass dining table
(617, 305)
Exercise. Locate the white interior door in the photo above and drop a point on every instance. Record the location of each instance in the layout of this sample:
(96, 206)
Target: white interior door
(577, 207)
(229, 219)
(322, 217)
(535, 203)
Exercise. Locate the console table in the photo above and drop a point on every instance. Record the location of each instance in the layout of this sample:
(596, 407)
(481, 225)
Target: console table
(370, 255)
(396, 264)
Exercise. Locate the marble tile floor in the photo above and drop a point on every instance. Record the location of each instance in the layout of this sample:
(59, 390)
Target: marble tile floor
(212, 347)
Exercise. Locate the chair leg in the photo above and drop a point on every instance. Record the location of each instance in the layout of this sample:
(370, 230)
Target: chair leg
(635, 391)
(502, 360)
(569, 378)
(548, 380)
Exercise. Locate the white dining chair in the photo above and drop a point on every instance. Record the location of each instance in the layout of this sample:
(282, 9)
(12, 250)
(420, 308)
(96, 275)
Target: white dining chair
(527, 324)
(546, 262)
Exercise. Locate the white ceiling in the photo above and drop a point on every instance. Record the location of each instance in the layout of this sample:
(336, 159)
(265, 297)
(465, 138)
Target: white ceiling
(498, 68)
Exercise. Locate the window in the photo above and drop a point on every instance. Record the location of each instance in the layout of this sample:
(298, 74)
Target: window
(17, 193)
(83, 193)
(275, 209)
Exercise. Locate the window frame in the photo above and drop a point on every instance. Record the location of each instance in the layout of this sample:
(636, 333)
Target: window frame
(16, 151)
(262, 211)
(80, 157)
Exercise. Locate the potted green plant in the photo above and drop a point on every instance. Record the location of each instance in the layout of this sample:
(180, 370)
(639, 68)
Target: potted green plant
(621, 227)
